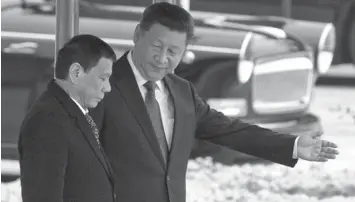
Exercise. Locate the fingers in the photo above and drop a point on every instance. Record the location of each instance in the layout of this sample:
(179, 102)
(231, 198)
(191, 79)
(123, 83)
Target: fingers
(327, 155)
(324, 157)
(327, 150)
(324, 154)
(320, 159)
(329, 144)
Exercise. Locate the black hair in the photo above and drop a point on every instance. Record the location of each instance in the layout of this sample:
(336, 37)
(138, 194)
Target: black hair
(172, 16)
(84, 49)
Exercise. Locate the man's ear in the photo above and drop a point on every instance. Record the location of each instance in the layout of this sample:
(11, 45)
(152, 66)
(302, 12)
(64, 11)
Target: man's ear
(75, 72)
(137, 33)
(193, 40)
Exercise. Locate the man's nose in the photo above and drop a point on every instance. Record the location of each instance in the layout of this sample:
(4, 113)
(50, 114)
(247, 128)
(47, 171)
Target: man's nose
(161, 57)
(107, 87)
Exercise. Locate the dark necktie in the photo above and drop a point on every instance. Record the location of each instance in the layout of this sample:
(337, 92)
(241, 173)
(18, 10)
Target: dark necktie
(93, 128)
(155, 117)
(97, 137)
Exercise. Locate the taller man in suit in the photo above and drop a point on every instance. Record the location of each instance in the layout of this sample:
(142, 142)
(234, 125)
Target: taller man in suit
(151, 116)
(61, 158)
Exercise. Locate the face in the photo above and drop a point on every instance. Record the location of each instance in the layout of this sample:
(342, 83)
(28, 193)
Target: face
(91, 86)
(157, 51)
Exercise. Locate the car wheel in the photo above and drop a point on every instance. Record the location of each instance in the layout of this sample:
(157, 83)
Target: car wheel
(352, 41)
(215, 79)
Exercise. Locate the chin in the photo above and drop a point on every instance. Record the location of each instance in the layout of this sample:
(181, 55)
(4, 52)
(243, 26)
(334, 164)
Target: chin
(93, 104)
(156, 77)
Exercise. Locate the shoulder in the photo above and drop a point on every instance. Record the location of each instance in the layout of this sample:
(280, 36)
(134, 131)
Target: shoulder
(121, 62)
(177, 80)
(46, 109)
(45, 123)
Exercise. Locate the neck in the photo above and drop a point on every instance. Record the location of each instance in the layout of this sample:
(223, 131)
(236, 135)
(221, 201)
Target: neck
(134, 60)
(70, 90)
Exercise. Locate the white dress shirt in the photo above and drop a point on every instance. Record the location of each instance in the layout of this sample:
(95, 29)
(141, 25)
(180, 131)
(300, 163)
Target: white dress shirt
(162, 95)
(164, 99)
(85, 111)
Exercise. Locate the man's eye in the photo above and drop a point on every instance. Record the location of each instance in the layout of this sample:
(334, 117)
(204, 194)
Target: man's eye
(172, 52)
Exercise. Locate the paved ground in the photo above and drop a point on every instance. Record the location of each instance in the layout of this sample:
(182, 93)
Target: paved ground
(334, 103)
(336, 108)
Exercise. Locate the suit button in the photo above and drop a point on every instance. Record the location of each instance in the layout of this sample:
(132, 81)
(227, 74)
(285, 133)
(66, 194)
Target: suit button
(114, 196)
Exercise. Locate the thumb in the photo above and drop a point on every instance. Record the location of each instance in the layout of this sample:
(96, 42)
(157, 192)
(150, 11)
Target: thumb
(316, 134)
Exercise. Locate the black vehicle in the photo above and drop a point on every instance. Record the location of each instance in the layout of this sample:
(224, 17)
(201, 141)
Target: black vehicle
(339, 12)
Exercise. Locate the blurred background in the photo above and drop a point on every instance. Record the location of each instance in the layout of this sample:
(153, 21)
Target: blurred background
(287, 65)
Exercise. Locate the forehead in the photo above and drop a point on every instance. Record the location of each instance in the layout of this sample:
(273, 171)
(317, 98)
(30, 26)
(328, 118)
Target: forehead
(158, 32)
(104, 66)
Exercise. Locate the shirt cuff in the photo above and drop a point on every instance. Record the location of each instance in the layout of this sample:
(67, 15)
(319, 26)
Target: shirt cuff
(294, 154)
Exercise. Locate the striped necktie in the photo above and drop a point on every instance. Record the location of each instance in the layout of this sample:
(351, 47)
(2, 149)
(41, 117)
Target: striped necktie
(155, 117)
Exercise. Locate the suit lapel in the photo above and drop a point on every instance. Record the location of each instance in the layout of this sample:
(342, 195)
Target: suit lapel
(178, 114)
(126, 83)
(89, 136)
(81, 122)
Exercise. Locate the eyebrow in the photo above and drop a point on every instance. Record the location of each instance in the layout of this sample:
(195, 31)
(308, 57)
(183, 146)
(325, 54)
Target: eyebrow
(174, 46)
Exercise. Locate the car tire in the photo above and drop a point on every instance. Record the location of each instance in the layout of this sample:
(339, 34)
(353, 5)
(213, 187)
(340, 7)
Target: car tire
(215, 80)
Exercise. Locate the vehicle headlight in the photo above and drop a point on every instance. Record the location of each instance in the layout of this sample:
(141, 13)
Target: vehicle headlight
(245, 70)
(326, 48)
(231, 107)
(245, 65)
(324, 60)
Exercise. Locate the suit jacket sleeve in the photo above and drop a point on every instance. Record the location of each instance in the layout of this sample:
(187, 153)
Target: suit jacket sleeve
(214, 127)
(43, 159)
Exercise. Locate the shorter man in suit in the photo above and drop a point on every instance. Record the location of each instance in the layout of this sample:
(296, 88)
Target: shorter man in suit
(61, 158)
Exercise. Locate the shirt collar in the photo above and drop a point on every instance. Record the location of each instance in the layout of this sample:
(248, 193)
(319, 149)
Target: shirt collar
(139, 78)
(60, 84)
(85, 111)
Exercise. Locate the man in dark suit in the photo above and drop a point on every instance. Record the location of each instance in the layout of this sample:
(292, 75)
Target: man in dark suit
(150, 118)
(61, 158)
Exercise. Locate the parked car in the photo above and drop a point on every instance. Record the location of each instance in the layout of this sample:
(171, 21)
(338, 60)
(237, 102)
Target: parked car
(260, 72)
(339, 12)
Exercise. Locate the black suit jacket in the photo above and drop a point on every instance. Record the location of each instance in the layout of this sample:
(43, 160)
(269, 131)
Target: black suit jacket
(132, 147)
(60, 159)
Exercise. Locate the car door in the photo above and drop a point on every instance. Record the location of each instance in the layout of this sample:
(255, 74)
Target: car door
(20, 69)
(24, 58)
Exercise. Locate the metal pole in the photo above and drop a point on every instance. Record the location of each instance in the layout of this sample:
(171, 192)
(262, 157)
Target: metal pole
(286, 8)
(67, 22)
(169, 1)
(183, 3)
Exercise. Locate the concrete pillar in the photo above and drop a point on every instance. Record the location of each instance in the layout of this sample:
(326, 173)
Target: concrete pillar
(286, 8)
(67, 22)
(183, 3)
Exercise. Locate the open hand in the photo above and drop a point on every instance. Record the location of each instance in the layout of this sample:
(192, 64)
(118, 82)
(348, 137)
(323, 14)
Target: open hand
(311, 147)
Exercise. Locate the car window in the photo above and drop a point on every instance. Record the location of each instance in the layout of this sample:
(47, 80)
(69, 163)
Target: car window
(143, 3)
